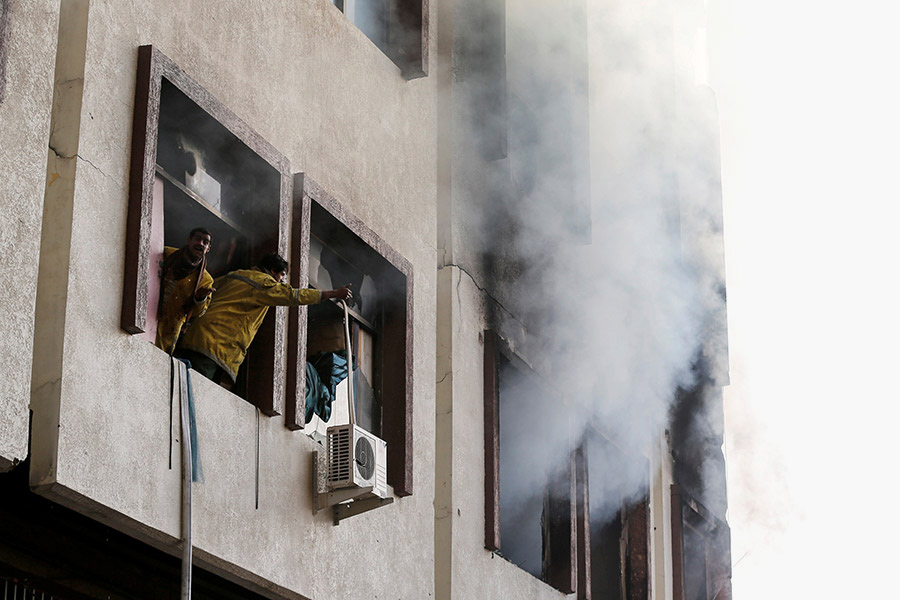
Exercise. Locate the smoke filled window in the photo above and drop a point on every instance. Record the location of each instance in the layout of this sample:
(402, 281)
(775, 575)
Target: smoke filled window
(530, 491)
(619, 517)
(397, 27)
(702, 556)
(195, 164)
(365, 352)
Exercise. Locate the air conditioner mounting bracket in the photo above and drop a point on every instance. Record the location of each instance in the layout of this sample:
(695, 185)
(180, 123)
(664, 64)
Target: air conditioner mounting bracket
(344, 503)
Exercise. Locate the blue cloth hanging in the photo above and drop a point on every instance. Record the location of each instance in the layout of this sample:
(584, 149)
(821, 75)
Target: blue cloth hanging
(324, 371)
(196, 464)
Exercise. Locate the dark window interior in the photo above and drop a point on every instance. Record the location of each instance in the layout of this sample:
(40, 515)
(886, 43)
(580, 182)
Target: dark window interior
(702, 550)
(574, 515)
(372, 19)
(397, 27)
(333, 248)
(195, 163)
(619, 487)
(337, 256)
(522, 480)
(695, 575)
(211, 179)
(607, 570)
(536, 484)
(46, 548)
(214, 180)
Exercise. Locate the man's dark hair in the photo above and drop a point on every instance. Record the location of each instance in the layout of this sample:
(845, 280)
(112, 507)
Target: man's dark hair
(273, 263)
(202, 230)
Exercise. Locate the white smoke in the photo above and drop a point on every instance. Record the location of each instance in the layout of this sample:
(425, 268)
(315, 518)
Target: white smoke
(632, 310)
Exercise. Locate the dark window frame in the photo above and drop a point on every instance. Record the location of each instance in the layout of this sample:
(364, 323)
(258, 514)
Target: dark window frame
(565, 502)
(152, 67)
(582, 524)
(397, 333)
(634, 523)
(637, 560)
(689, 514)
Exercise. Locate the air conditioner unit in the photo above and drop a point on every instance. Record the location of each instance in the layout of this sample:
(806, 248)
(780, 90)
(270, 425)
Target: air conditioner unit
(356, 458)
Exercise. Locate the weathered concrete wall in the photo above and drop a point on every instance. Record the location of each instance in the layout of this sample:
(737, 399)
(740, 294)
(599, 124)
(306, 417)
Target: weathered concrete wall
(465, 568)
(24, 129)
(316, 88)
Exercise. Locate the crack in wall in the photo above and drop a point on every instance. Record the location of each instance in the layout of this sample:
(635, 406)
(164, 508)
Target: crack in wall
(71, 80)
(58, 155)
(482, 290)
(53, 382)
(76, 155)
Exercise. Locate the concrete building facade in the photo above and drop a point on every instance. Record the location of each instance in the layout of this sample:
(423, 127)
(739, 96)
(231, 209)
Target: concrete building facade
(451, 158)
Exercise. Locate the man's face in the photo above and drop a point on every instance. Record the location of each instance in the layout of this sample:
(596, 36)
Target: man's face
(279, 275)
(198, 244)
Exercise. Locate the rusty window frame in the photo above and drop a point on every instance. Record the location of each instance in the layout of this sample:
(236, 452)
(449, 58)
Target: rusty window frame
(396, 350)
(152, 67)
(563, 553)
(634, 522)
(637, 559)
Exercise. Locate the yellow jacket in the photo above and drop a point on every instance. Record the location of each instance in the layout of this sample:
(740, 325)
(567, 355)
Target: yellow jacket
(242, 299)
(177, 305)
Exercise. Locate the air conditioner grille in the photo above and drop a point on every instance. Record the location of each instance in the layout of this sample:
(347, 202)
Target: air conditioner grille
(365, 458)
(339, 450)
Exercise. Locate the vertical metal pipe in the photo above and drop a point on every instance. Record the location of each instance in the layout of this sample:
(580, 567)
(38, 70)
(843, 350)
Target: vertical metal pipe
(351, 401)
(186, 476)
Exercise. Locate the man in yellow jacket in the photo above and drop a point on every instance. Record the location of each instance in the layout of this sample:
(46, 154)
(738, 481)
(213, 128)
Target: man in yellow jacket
(217, 342)
(185, 289)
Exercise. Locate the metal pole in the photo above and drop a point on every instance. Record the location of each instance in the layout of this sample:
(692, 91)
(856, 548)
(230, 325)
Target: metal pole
(186, 476)
(351, 401)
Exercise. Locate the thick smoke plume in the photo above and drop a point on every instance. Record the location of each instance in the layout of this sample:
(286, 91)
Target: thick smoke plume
(637, 303)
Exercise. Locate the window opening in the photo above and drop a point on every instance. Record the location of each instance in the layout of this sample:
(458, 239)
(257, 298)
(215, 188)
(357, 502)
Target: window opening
(211, 179)
(523, 473)
(370, 16)
(332, 245)
(338, 257)
(196, 164)
(536, 474)
(396, 27)
(696, 582)
(619, 505)
(701, 548)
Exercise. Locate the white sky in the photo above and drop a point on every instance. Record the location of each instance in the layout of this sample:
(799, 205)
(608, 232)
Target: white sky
(809, 101)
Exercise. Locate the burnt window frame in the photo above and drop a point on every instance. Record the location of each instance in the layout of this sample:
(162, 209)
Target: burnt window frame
(152, 67)
(566, 539)
(688, 513)
(406, 42)
(396, 375)
(634, 524)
